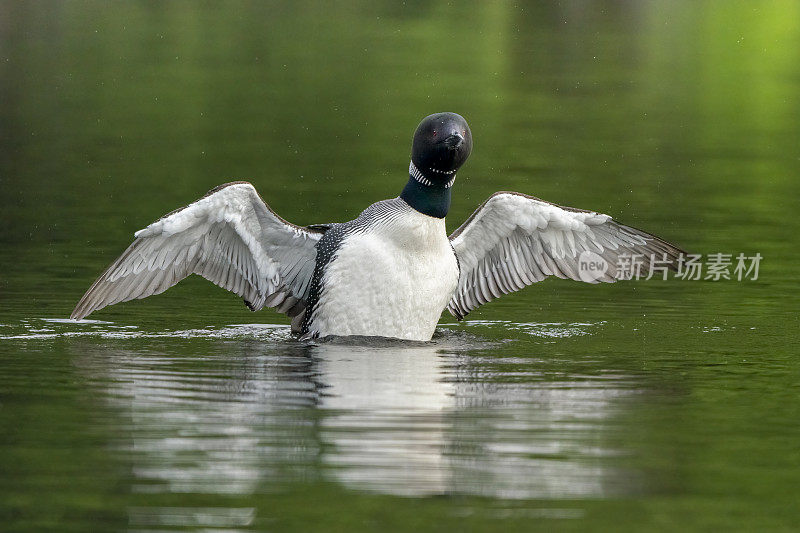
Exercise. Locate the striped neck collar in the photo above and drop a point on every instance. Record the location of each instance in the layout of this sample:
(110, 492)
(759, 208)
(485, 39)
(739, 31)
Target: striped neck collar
(418, 176)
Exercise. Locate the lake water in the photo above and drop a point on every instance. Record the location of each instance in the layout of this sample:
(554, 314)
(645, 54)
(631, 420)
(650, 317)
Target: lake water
(645, 405)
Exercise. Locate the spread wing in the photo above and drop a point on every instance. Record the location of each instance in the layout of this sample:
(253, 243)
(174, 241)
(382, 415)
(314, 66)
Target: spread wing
(231, 238)
(514, 240)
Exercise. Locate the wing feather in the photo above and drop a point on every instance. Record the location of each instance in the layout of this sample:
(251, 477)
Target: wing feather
(514, 240)
(231, 238)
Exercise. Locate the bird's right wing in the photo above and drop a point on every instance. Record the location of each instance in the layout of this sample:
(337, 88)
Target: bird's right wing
(231, 238)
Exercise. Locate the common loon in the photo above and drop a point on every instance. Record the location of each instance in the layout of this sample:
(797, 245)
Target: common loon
(392, 271)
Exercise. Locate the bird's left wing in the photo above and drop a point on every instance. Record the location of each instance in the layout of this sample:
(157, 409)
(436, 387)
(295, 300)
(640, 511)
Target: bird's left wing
(514, 240)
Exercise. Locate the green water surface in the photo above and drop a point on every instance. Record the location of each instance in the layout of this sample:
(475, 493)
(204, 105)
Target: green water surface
(638, 406)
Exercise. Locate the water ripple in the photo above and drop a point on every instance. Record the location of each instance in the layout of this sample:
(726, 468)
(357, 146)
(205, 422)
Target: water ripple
(453, 416)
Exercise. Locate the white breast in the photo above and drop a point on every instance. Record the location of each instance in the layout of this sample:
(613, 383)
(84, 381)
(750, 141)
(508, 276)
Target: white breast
(393, 280)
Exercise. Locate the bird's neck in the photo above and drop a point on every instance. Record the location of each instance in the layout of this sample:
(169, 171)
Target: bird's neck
(426, 196)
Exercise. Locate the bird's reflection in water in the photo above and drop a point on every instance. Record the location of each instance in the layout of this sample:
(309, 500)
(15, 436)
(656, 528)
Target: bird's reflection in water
(441, 418)
(386, 417)
(231, 417)
(448, 417)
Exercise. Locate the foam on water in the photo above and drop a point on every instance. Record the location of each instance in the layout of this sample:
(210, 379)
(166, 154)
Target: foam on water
(44, 328)
(52, 328)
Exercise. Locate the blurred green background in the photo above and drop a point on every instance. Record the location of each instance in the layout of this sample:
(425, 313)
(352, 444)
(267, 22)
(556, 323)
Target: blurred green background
(676, 403)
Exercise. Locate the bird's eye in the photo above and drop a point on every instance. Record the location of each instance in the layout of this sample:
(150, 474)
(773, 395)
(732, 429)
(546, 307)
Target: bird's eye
(434, 133)
(464, 133)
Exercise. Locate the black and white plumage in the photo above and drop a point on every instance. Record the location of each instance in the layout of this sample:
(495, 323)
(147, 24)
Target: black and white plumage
(388, 273)
(391, 271)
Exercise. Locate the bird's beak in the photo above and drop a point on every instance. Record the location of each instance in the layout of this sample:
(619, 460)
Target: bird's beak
(454, 141)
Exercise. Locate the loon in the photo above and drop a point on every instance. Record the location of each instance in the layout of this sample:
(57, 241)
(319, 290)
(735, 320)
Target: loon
(392, 271)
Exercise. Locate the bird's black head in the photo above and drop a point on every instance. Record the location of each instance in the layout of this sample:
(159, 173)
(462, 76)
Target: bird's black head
(441, 144)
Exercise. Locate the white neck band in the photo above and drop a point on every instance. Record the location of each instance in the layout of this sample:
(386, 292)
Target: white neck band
(415, 173)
